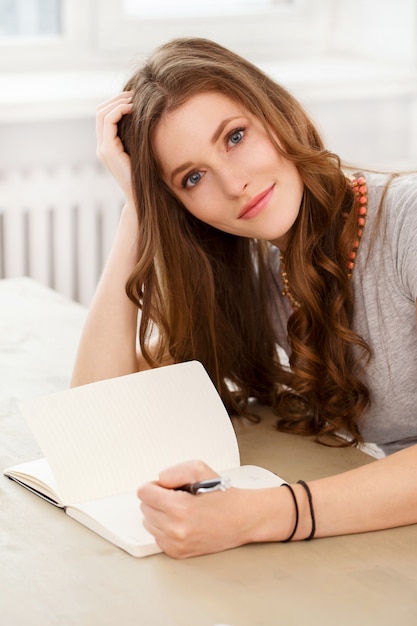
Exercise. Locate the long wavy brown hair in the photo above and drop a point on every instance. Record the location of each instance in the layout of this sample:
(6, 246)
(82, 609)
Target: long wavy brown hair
(208, 292)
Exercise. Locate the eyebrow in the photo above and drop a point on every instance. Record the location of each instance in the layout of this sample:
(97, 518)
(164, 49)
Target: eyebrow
(214, 138)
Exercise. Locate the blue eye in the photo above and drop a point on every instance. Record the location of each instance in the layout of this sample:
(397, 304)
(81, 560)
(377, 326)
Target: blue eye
(192, 179)
(236, 136)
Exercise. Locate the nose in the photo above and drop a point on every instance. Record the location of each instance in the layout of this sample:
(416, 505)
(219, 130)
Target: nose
(234, 181)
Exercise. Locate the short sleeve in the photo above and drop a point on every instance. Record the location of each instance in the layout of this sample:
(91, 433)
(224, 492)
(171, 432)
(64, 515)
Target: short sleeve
(403, 225)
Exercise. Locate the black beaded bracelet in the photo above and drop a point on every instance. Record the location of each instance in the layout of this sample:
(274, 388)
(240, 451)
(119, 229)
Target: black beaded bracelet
(310, 503)
(291, 490)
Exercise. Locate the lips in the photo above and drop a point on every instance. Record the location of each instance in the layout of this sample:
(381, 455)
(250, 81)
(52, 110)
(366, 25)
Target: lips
(254, 207)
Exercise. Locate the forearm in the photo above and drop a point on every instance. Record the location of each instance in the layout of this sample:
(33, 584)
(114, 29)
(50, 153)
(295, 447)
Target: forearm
(379, 495)
(108, 342)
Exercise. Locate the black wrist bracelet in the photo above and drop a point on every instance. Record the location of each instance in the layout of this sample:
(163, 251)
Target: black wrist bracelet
(291, 490)
(310, 503)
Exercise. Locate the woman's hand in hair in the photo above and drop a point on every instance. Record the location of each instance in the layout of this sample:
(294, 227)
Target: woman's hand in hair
(110, 149)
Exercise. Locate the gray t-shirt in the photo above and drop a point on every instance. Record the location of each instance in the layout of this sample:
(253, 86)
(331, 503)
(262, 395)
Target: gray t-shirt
(385, 290)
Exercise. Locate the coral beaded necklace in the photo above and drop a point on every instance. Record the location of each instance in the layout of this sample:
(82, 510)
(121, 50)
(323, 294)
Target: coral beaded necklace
(361, 195)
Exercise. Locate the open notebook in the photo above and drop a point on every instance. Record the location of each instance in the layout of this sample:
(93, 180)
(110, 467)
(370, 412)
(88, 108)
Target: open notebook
(102, 440)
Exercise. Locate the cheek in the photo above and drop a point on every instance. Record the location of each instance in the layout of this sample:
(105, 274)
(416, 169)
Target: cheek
(206, 205)
(202, 212)
(194, 207)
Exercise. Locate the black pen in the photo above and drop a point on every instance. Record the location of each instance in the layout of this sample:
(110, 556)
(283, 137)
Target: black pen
(206, 486)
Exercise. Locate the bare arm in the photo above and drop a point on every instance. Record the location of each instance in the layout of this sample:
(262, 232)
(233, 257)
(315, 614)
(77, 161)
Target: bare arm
(108, 342)
(380, 495)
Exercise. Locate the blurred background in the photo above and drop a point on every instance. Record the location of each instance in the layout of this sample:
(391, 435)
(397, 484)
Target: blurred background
(352, 63)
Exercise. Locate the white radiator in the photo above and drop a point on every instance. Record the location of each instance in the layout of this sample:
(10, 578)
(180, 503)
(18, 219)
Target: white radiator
(57, 226)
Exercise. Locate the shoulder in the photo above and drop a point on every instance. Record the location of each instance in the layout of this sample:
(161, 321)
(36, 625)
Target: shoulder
(392, 212)
(397, 192)
(392, 204)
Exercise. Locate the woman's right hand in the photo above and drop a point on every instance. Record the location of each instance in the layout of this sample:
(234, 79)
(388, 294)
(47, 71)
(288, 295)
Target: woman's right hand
(110, 149)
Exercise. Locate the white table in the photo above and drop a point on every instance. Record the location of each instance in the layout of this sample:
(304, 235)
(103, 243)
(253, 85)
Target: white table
(56, 572)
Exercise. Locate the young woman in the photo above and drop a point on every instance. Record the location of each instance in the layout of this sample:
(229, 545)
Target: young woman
(242, 233)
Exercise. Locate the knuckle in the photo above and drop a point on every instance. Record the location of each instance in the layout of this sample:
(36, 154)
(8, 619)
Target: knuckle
(176, 547)
(178, 538)
(200, 467)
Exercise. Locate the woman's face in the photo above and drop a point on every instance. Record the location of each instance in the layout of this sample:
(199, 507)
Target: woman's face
(219, 161)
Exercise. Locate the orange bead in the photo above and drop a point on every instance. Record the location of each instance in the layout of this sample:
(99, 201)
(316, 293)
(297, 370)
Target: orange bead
(361, 192)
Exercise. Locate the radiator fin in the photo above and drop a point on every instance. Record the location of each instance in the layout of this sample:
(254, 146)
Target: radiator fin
(57, 226)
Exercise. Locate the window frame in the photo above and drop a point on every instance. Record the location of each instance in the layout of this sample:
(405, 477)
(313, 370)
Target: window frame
(98, 34)
(282, 29)
(180, 8)
(48, 52)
